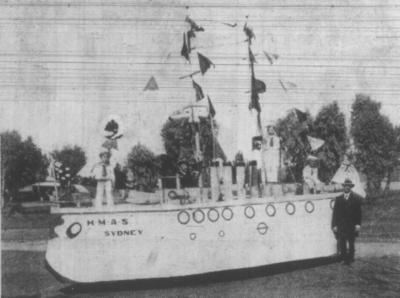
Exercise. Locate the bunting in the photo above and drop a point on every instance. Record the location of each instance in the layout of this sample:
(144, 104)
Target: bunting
(151, 85)
(211, 107)
(185, 51)
(204, 63)
(315, 143)
(271, 57)
(198, 90)
(249, 32)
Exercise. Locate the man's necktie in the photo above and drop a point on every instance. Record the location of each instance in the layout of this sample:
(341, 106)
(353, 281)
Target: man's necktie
(104, 171)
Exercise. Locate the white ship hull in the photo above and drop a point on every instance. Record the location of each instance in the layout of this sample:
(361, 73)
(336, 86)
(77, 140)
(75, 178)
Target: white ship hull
(162, 242)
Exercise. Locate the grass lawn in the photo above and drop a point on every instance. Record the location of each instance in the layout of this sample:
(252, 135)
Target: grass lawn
(381, 219)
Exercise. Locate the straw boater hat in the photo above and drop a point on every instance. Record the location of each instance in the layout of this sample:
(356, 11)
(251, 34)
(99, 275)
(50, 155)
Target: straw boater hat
(348, 182)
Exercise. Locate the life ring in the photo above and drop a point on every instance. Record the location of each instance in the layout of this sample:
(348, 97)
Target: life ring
(227, 213)
(201, 214)
(332, 203)
(74, 230)
(270, 210)
(290, 208)
(183, 217)
(262, 228)
(249, 212)
(213, 214)
(309, 206)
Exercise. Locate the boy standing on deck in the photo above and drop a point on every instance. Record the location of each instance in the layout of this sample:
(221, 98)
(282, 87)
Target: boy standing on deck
(104, 175)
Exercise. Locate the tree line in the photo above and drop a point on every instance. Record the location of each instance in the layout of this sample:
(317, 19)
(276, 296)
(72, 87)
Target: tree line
(371, 141)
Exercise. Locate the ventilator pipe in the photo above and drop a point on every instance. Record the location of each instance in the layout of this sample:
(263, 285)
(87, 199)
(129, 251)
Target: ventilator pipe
(253, 175)
(227, 178)
(214, 181)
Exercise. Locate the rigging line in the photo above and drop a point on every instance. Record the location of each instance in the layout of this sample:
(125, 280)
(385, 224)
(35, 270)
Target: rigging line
(177, 63)
(195, 5)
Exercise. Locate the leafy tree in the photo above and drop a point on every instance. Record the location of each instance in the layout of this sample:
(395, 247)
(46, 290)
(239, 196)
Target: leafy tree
(22, 162)
(179, 140)
(294, 144)
(374, 140)
(329, 125)
(144, 166)
(72, 157)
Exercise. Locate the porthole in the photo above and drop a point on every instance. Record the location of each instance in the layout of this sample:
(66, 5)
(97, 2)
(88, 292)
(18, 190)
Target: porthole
(227, 213)
(213, 215)
(290, 208)
(198, 216)
(270, 210)
(249, 212)
(183, 217)
(309, 206)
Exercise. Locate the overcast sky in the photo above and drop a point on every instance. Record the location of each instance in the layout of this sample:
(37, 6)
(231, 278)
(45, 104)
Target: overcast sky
(68, 65)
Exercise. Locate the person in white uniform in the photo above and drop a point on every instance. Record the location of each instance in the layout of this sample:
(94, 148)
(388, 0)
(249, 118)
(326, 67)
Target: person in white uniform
(310, 175)
(104, 175)
(271, 154)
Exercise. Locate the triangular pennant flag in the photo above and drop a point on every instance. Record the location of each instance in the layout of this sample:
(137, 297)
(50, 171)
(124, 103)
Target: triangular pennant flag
(271, 57)
(283, 85)
(204, 63)
(249, 32)
(193, 25)
(255, 103)
(301, 116)
(259, 86)
(291, 85)
(315, 143)
(199, 91)
(185, 49)
(211, 107)
(151, 85)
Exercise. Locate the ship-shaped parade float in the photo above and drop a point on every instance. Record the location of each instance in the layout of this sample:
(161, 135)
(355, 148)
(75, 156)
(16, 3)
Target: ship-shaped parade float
(236, 218)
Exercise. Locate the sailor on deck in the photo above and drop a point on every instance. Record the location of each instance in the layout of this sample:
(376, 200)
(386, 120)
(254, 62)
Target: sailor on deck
(104, 175)
(310, 175)
(271, 154)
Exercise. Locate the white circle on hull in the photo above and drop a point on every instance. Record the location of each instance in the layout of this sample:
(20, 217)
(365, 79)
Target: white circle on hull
(183, 217)
(213, 215)
(221, 233)
(290, 208)
(249, 212)
(227, 213)
(270, 210)
(309, 206)
(198, 216)
(192, 236)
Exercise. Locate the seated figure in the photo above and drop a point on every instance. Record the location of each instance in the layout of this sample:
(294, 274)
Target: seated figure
(310, 175)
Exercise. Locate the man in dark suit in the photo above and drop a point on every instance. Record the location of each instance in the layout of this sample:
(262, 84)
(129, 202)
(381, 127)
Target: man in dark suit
(346, 221)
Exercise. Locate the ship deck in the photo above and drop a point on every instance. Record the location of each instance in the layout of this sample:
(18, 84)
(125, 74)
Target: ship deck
(176, 206)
